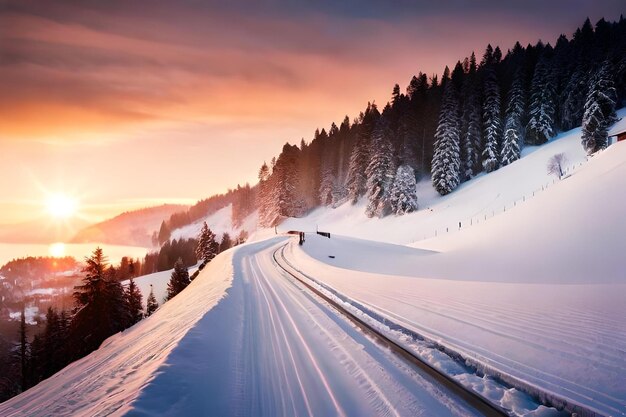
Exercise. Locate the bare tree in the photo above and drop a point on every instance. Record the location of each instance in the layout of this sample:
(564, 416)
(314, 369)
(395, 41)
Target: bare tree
(556, 163)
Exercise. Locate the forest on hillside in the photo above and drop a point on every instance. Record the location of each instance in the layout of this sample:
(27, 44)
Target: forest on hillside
(475, 118)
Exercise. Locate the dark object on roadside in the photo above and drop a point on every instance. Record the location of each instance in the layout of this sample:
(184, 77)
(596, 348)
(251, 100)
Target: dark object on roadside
(331, 256)
(325, 234)
(301, 235)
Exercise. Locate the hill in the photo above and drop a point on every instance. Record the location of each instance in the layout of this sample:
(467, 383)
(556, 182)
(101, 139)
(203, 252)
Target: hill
(133, 228)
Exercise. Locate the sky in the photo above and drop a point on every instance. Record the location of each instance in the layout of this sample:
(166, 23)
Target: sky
(131, 104)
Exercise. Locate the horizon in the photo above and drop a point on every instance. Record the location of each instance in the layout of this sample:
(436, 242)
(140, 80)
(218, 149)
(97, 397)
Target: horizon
(98, 125)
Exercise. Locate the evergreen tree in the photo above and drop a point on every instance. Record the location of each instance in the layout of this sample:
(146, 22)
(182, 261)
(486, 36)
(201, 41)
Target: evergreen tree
(134, 302)
(356, 183)
(573, 99)
(164, 233)
(179, 279)
(512, 143)
(470, 130)
(542, 105)
(599, 110)
(327, 183)
(403, 196)
(446, 165)
(380, 170)
(100, 306)
(208, 247)
(151, 303)
(492, 124)
(226, 243)
(24, 357)
(265, 200)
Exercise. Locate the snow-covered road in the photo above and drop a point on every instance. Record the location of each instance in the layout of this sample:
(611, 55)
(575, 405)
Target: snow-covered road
(270, 348)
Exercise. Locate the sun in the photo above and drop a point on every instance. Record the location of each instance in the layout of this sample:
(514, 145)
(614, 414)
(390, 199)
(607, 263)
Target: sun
(61, 206)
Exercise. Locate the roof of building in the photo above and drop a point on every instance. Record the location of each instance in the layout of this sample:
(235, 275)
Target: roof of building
(619, 127)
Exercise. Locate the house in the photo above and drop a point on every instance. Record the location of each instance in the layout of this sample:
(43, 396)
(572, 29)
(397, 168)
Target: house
(618, 131)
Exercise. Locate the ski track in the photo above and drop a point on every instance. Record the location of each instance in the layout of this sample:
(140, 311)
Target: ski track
(271, 348)
(513, 337)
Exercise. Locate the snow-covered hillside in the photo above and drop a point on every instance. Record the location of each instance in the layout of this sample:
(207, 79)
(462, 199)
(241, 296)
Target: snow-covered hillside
(536, 291)
(108, 380)
(483, 197)
(157, 282)
(219, 222)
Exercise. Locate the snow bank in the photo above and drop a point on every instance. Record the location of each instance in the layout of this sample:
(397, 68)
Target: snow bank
(109, 379)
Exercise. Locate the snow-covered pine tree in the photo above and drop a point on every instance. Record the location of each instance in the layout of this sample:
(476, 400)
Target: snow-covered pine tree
(134, 302)
(470, 129)
(380, 170)
(265, 197)
(359, 158)
(599, 110)
(542, 106)
(151, 302)
(403, 196)
(327, 182)
(573, 99)
(179, 279)
(208, 247)
(492, 123)
(513, 139)
(446, 164)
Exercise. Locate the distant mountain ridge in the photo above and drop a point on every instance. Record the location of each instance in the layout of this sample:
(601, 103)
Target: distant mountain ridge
(132, 228)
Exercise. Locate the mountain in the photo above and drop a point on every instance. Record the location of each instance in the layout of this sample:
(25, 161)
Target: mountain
(133, 228)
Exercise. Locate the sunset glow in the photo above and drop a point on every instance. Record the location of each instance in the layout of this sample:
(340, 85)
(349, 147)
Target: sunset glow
(61, 206)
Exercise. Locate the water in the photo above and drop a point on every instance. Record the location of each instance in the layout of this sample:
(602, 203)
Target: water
(114, 253)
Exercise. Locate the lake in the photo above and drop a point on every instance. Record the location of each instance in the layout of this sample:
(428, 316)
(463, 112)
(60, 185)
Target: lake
(114, 253)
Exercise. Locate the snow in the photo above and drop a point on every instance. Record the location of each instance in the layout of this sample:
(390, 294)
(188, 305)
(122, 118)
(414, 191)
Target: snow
(219, 222)
(159, 281)
(242, 339)
(485, 196)
(535, 292)
(107, 381)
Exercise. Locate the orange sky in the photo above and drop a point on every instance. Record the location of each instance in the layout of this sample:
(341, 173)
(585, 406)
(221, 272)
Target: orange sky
(128, 104)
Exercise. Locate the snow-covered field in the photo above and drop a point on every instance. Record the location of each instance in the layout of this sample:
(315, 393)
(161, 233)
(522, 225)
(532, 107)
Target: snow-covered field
(537, 292)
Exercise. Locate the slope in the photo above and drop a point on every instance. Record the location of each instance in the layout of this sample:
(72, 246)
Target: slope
(536, 292)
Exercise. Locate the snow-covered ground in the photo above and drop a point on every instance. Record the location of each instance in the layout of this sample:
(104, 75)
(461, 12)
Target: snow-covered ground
(158, 281)
(537, 292)
(108, 380)
(267, 348)
(219, 222)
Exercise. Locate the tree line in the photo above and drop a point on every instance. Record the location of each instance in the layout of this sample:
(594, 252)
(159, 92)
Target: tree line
(476, 118)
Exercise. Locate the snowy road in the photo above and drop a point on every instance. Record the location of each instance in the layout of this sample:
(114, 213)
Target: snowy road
(271, 348)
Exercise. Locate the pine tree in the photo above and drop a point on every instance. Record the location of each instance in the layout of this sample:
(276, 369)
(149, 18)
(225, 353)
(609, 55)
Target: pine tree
(599, 110)
(24, 357)
(179, 279)
(573, 99)
(446, 165)
(470, 130)
(542, 107)
(100, 306)
(134, 302)
(226, 243)
(492, 124)
(327, 183)
(403, 196)
(208, 247)
(380, 170)
(512, 143)
(356, 183)
(151, 303)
